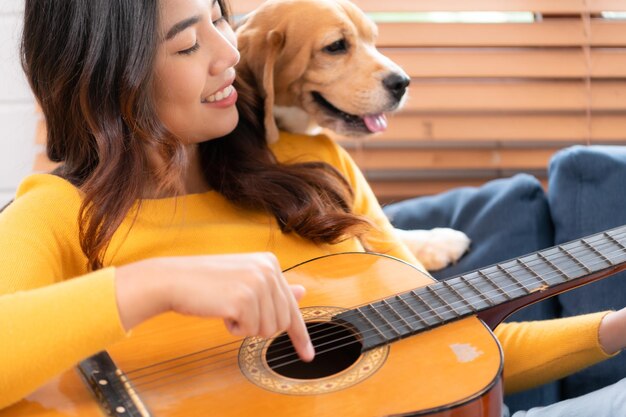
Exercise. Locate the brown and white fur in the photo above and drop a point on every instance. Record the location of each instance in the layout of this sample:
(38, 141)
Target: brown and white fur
(318, 66)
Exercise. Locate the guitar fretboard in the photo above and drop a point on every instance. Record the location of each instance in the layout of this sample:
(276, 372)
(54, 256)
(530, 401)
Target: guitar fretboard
(423, 308)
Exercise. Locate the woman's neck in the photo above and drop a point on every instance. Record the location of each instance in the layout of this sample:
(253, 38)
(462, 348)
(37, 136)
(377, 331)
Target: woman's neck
(193, 180)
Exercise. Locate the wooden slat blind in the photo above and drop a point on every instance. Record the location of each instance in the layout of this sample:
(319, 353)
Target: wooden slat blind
(539, 6)
(491, 99)
(551, 33)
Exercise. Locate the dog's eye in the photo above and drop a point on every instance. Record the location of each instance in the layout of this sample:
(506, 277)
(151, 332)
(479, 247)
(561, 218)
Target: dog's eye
(336, 47)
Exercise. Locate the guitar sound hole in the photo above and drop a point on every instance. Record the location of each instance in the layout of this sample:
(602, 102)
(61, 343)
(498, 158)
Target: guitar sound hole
(336, 349)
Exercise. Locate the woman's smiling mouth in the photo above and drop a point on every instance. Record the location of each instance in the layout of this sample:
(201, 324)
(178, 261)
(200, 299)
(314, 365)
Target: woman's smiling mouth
(220, 95)
(226, 97)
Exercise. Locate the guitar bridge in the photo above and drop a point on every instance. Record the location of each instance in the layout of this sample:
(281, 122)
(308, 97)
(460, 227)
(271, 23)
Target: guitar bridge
(112, 389)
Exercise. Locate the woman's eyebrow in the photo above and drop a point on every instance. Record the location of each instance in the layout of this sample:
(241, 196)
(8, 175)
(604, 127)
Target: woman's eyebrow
(180, 26)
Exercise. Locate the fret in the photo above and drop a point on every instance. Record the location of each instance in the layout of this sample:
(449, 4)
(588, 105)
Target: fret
(496, 286)
(529, 269)
(459, 296)
(556, 268)
(614, 240)
(383, 319)
(597, 252)
(418, 315)
(428, 306)
(477, 291)
(618, 256)
(367, 319)
(443, 302)
(574, 258)
(512, 278)
(395, 313)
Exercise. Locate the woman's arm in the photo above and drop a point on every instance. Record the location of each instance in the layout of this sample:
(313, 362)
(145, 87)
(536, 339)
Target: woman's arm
(47, 330)
(537, 352)
(247, 290)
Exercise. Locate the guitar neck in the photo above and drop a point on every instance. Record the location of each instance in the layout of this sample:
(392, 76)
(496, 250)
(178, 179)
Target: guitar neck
(491, 293)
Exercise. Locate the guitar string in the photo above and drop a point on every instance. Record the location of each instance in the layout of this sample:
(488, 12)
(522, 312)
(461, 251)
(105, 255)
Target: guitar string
(334, 341)
(311, 328)
(237, 370)
(443, 306)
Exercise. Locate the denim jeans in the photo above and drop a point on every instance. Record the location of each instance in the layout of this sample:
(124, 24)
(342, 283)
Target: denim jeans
(606, 402)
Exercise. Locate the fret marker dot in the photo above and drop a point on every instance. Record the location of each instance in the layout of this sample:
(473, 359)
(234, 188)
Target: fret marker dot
(120, 410)
(103, 382)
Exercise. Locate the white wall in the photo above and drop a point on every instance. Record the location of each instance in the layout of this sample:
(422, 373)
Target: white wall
(17, 108)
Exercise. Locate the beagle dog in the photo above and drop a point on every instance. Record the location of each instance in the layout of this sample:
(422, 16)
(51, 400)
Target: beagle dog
(317, 66)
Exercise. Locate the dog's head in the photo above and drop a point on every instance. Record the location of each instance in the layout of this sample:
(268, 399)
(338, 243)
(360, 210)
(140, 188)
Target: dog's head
(319, 56)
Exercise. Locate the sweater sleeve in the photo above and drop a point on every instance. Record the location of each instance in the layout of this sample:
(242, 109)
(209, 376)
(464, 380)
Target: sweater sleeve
(537, 352)
(381, 239)
(48, 321)
(47, 330)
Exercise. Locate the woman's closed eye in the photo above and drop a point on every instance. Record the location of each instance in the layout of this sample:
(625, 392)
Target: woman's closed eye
(219, 20)
(191, 50)
(196, 46)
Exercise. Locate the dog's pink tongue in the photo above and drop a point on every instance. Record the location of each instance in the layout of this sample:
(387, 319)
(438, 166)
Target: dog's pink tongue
(376, 122)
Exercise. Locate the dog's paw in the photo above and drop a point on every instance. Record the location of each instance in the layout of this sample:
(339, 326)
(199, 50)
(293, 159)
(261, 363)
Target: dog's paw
(436, 248)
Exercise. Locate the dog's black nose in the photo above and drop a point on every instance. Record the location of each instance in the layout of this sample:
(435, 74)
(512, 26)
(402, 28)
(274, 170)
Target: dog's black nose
(396, 84)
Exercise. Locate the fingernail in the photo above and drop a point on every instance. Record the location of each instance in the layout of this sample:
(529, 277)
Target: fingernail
(310, 351)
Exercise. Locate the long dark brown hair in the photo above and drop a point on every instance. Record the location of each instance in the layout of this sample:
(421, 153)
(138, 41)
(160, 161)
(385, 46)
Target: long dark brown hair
(90, 65)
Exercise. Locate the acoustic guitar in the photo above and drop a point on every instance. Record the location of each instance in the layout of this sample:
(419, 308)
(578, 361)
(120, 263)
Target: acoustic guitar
(389, 340)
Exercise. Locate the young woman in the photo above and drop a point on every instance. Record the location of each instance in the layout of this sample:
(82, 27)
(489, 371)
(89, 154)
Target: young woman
(167, 198)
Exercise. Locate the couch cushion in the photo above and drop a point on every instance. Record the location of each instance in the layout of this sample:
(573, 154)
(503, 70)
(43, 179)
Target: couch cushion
(586, 195)
(504, 218)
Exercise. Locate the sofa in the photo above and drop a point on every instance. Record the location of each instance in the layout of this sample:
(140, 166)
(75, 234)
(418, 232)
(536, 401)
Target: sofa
(509, 217)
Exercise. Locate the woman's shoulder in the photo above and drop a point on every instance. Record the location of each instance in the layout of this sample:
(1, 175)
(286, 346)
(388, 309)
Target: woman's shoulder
(47, 185)
(45, 195)
(292, 147)
(42, 219)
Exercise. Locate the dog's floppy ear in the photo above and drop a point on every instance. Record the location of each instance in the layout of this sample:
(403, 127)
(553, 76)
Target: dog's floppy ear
(275, 42)
(274, 60)
(260, 49)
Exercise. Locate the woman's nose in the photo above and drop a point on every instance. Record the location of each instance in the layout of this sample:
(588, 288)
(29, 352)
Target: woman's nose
(226, 54)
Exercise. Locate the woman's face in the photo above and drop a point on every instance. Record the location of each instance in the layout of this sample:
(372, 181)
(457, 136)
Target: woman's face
(194, 71)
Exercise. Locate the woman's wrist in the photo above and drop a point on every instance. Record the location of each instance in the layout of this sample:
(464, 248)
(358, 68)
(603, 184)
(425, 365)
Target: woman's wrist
(612, 331)
(141, 291)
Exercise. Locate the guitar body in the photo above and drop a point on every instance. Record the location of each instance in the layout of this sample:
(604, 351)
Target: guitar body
(452, 370)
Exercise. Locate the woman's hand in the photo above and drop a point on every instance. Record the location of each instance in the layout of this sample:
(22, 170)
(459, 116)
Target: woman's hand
(247, 290)
(612, 331)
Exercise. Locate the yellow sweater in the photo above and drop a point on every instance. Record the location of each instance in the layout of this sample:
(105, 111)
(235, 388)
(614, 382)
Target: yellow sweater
(54, 313)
